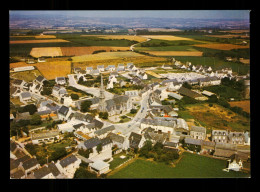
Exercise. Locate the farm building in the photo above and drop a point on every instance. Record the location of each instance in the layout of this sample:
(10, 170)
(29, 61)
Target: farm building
(27, 68)
(187, 92)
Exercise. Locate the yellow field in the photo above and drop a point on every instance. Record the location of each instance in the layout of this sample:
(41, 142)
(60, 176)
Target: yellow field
(245, 105)
(38, 41)
(128, 37)
(106, 56)
(46, 51)
(228, 36)
(221, 46)
(78, 51)
(175, 53)
(45, 36)
(167, 37)
(49, 70)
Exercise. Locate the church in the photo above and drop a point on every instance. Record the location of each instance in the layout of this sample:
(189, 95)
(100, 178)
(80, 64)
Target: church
(117, 105)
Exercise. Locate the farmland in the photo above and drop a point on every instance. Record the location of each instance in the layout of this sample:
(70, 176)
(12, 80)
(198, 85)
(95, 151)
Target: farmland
(77, 51)
(27, 76)
(221, 46)
(50, 70)
(245, 105)
(228, 36)
(175, 53)
(218, 117)
(190, 166)
(46, 51)
(127, 37)
(167, 37)
(106, 56)
(38, 41)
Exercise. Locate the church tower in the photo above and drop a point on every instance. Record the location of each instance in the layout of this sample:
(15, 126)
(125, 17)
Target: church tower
(102, 103)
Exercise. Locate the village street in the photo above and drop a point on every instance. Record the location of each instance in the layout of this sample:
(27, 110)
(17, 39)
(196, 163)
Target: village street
(92, 90)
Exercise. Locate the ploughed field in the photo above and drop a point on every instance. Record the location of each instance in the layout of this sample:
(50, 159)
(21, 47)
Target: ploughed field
(245, 105)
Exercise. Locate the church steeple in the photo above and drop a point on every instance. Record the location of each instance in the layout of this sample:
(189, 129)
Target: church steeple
(102, 103)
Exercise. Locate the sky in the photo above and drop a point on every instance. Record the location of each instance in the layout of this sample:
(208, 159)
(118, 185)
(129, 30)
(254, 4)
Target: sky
(196, 14)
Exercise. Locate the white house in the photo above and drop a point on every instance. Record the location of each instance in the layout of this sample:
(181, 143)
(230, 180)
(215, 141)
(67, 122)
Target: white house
(41, 60)
(25, 96)
(89, 70)
(198, 132)
(101, 68)
(110, 68)
(44, 137)
(64, 112)
(99, 167)
(119, 140)
(59, 91)
(60, 80)
(159, 125)
(166, 66)
(68, 165)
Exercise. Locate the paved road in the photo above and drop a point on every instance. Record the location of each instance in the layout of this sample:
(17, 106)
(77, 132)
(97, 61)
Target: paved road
(92, 90)
(132, 46)
(134, 124)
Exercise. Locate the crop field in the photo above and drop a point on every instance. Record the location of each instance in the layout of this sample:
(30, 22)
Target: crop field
(50, 70)
(78, 51)
(236, 31)
(139, 61)
(127, 37)
(27, 76)
(46, 51)
(175, 53)
(218, 117)
(228, 36)
(167, 48)
(245, 105)
(221, 46)
(45, 36)
(190, 166)
(167, 37)
(106, 56)
(39, 41)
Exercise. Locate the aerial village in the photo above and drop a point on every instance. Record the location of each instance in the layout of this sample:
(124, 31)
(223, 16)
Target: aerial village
(93, 129)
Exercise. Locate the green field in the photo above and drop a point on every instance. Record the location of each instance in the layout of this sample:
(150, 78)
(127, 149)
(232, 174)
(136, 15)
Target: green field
(161, 43)
(215, 63)
(190, 166)
(167, 48)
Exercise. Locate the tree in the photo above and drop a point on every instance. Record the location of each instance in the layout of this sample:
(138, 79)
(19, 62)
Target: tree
(103, 115)
(99, 148)
(85, 105)
(82, 173)
(74, 96)
(58, 154)
(186, 85)
(133, 111)
(31, 108)
(46, 91)
(36, 120)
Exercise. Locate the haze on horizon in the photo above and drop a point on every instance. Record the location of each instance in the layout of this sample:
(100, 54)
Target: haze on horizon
(185, 14)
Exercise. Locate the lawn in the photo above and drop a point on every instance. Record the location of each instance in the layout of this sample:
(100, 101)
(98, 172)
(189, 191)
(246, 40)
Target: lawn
(117, 160)
(190, 166)
(27, 76)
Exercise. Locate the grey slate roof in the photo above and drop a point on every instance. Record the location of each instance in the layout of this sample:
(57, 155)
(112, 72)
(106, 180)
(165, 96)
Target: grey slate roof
(18, 174)
(52, 167)
(40, 173)
(134, 139)
(198, 129)
(98, 124)
(68, 160)
(116, 138)
(159, 122)
(189, 93)
(25, 95)
(105, 141)
(192, 141)
(90, 143)
(30, 163)
(105, 130)
(63, 110)
(78, 125)
(40, 78)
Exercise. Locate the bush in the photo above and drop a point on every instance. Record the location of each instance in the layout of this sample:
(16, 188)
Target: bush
(133, 111)
(36, 120)
(74, 96)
